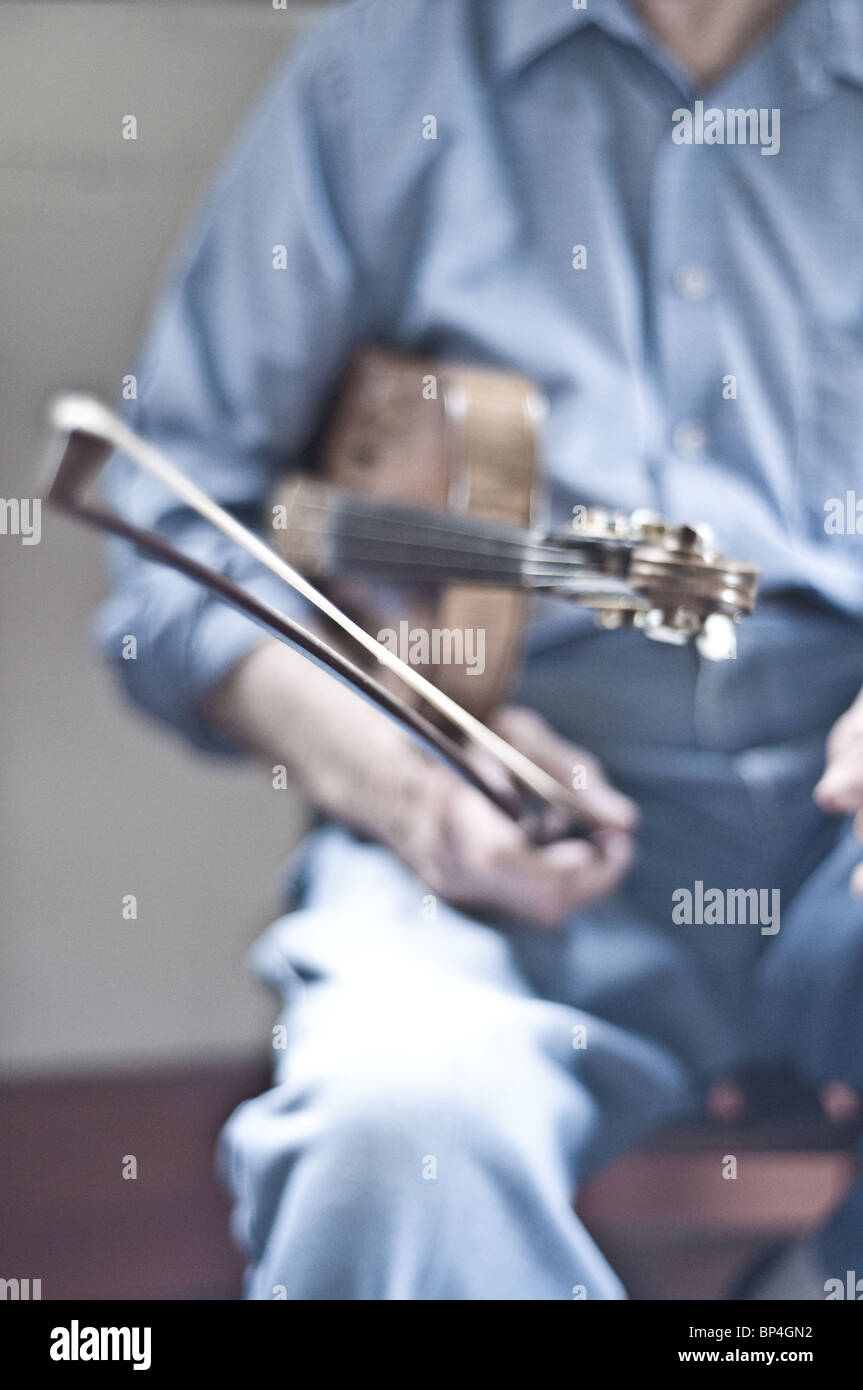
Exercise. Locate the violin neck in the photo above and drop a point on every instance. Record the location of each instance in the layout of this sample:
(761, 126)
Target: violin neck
(332, 533)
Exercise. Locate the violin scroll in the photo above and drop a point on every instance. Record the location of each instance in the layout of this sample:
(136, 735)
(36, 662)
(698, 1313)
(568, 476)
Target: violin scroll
(683, 588)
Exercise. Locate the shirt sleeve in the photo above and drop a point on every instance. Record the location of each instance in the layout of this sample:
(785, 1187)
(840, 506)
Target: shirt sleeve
(245, 350)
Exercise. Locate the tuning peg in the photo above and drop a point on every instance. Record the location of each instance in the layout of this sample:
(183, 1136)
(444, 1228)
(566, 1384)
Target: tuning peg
(717, 640)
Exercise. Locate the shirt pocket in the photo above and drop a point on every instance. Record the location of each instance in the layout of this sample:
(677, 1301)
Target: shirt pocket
(830, 454)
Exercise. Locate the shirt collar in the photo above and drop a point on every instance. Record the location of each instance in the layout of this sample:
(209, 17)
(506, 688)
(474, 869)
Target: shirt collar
(529, 28)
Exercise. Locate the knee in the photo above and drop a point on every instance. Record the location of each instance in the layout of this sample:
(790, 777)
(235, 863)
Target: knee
(399, 1114)
(406, 1092)
(370, 1091)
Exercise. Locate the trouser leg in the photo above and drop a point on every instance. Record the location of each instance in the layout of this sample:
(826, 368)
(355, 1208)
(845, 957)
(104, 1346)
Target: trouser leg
(427, 1135)
(808, 1007)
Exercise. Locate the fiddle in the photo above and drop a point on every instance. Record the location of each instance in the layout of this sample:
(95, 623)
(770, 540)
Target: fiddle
(479, 558)
(424, 511)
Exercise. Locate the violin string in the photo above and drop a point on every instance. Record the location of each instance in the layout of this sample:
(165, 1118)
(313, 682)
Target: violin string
(506, 556)
(386, 530)
(454, 525)
(359, 549)
(443, 571)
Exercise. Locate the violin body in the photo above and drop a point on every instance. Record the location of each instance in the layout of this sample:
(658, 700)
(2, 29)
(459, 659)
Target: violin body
(441, 438)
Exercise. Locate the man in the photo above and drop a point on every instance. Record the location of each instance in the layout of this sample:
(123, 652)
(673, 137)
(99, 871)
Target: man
(512, 182)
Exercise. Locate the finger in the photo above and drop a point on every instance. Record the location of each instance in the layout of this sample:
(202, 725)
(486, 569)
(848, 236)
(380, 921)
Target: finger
(857, 881)
(595, 861)
(840, 790)
(493, 773)
(571, 766)
(487, 860)
(545, 887)
(617, 851)
(602, 806)
(846, 732)
(725, 1100)
(580, 872)
(840, 1102)
(608, 806)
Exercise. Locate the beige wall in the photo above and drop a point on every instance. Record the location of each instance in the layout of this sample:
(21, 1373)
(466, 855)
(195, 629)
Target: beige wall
(95, 802)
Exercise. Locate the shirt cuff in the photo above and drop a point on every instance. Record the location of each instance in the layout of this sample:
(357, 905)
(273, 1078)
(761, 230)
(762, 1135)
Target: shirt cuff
(192, 653)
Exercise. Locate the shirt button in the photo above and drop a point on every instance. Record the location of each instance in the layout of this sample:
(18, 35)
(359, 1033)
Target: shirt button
(692, 282)
(689, 439)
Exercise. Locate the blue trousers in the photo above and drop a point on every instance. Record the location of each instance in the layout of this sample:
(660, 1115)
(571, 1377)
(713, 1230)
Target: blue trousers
(443, 1086)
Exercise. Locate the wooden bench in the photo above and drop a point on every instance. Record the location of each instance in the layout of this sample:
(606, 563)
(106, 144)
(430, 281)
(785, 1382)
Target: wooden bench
(665, 1216)
(675, 1227)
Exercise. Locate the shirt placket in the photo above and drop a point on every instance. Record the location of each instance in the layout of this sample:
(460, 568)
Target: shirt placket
(685, 288)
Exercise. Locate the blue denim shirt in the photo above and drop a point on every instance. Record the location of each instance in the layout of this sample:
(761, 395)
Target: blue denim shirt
(505, 182)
